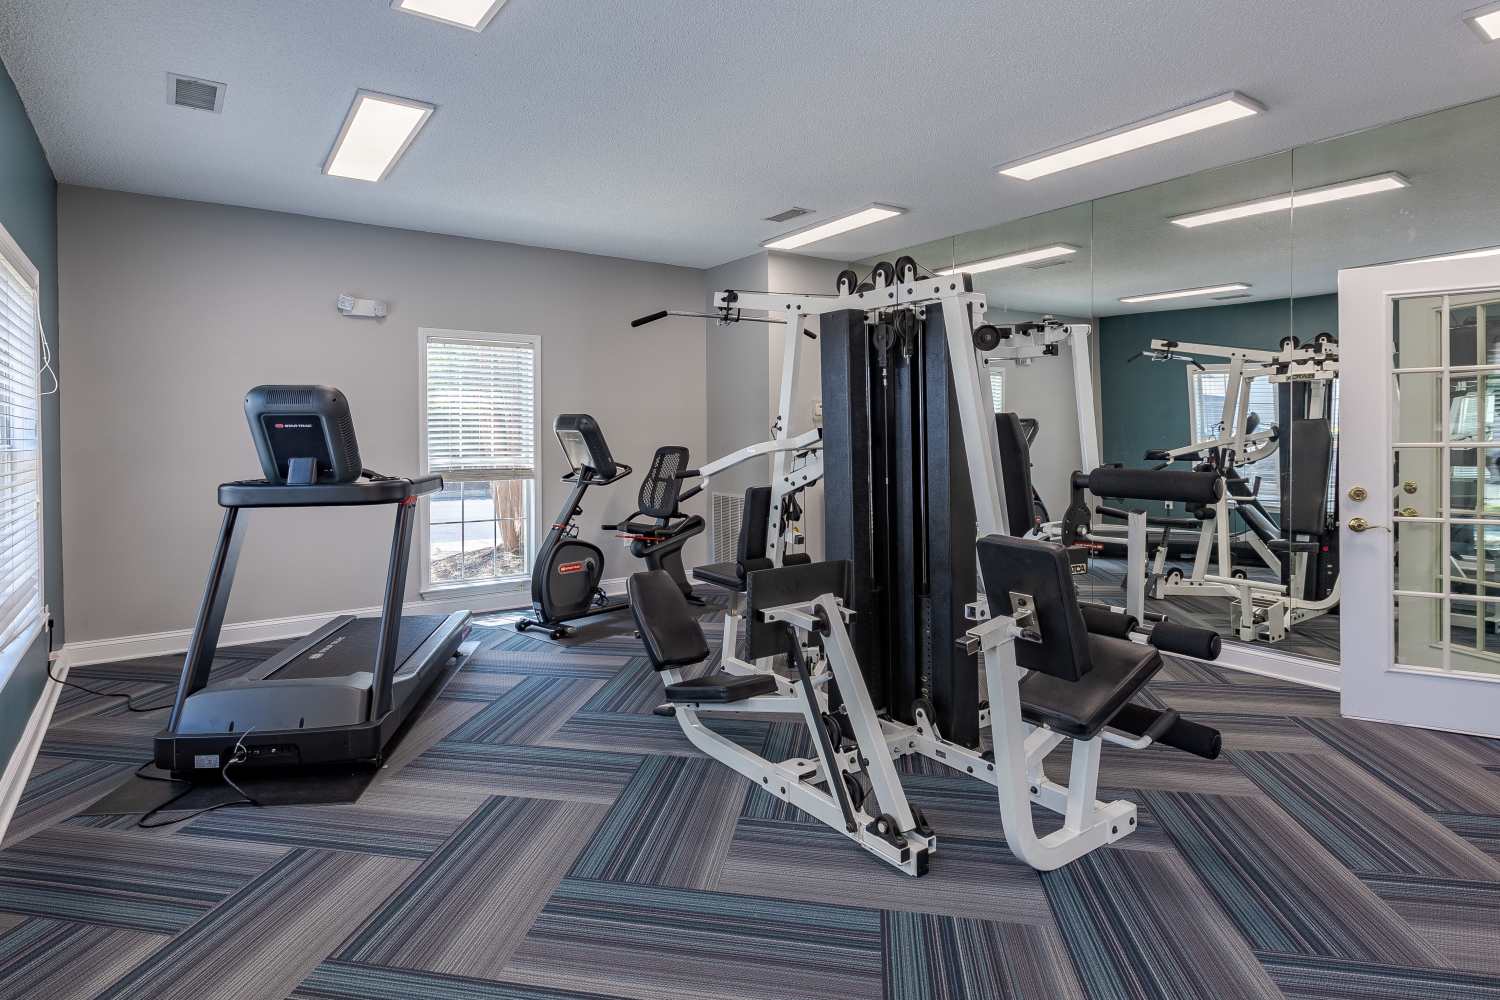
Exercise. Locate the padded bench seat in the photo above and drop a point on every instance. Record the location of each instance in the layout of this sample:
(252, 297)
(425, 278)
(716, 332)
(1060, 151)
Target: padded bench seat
(1083, 707)
(725, 574)
(721, 687)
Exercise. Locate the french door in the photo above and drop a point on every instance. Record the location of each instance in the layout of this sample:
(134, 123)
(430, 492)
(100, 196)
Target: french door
(1419, 481)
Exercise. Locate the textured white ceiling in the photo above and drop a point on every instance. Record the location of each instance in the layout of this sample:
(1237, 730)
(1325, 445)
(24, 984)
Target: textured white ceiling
(666, 129)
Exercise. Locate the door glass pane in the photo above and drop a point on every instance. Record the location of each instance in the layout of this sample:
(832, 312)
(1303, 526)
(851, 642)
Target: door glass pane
(1419, 408)
(1474, 631)
(1419, 631)
(1474, 490)
(1415, 330)
(1473, 407)
(1419, 557)
(1463, 336)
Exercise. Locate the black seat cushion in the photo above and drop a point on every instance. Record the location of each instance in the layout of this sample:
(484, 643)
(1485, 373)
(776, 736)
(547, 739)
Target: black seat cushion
(726, 575)
(1081, 708)
(669, 629)
(722, 687)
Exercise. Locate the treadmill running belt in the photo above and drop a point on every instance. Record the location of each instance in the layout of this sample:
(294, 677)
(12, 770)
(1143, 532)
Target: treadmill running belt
(352, 648)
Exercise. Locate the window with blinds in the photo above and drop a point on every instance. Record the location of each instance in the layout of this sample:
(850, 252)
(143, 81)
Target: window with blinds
(997, 388)
(20, 455)
(480, 398)
(1207, 405)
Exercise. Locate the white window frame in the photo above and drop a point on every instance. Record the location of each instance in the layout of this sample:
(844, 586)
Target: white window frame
(16, 649)
(504, 585)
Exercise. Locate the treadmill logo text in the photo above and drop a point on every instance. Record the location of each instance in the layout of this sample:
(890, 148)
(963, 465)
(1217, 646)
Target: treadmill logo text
(567, 569)
(293, 427)
(324, 651)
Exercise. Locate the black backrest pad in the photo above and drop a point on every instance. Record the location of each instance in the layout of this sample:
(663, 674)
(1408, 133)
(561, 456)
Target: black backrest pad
(1041, 570)
(658, 497)
(1312, 461)
(768, 588)
(1015, 465)
(753, 521)
(668, 627)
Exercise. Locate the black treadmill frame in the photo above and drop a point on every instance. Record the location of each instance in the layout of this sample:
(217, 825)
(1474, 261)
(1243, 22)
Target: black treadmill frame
(180, 752)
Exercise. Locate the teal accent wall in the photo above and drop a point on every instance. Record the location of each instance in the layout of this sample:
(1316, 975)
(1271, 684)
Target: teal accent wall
(1145, 404)
(28, 211)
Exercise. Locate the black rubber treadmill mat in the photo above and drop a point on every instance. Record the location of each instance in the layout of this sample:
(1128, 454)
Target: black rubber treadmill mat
(150, 789)
(352, 648)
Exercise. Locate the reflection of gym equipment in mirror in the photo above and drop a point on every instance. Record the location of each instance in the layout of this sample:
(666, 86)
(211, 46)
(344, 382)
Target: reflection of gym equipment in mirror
(1297, 545)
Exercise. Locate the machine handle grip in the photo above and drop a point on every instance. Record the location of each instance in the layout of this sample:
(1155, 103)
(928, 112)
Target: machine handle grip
(688, 495)
(649, 319)
(1202, 643)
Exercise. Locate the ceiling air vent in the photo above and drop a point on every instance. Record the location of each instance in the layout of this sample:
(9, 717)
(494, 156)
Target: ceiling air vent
(191, 92)
(792, 213)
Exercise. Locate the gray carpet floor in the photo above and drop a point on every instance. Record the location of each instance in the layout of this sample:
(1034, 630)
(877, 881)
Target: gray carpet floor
(540, 835)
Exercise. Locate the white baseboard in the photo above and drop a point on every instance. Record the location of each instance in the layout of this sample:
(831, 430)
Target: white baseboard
(18, 768)
(1256, 659)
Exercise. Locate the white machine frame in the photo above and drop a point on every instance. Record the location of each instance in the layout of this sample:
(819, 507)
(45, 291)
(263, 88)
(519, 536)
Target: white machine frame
(1019, 748)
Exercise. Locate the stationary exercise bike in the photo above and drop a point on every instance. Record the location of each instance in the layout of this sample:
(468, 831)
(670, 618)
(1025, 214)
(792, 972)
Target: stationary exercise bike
(565, 578)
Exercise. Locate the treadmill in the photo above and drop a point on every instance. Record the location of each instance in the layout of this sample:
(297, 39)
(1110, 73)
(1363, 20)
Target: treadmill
(340, 694)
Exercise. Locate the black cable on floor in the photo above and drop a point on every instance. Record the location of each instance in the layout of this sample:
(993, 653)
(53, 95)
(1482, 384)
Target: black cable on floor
(130, 705)
(239, 757)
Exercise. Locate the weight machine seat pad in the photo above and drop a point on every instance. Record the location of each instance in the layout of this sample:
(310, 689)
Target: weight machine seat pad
(726, 575)
(669, 629)
(721, 687)
(1081, 708)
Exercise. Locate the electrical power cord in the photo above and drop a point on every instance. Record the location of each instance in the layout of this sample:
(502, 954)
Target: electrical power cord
(238, 756)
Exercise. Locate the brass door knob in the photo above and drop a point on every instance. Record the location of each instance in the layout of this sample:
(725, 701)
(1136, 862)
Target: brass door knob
(1359, 493)
(1409, 487)
(1409, 512)
(1358, 524)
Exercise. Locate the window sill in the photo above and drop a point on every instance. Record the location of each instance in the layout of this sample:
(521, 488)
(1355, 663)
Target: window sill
(508, 586)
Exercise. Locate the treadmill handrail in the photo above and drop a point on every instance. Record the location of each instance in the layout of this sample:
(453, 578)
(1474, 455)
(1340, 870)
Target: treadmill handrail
(260, 493)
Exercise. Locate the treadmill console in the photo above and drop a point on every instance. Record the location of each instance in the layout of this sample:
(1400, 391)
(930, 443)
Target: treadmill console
(304, 434)
(583, 442)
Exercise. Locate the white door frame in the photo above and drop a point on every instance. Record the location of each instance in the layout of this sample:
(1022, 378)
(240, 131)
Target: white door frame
(1373, 685)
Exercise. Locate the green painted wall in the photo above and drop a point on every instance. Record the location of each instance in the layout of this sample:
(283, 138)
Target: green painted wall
(28, 211)
(1145, 405)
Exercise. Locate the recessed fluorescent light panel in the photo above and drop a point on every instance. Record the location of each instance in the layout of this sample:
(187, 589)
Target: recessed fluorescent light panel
(1486, 21)
(1298, 199)
(1206, 114)
(827, 230)
(1186, 293)
(471, 14)
(1012, 260)
(375, 134)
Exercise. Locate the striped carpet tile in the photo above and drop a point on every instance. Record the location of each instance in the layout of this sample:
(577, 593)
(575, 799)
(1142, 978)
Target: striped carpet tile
(46, 959)
(670, 826)
(930, 957)
(403, 834)
(1261, 697)
(1422, 765)
(979, 879)
(263, 940)
(1456, 917)
(649, 734)
(1481, 831)
(59, 788)
(652, 942)
(118, 879)
(529, 712)
(470, 903)
(539, 771)
(635, 689)
(784, 741)
(351, 981)
(1364, 824)
(1283, 890)
(1160, 769)
(1138, 925)
(1301, 978)
(1259, 732)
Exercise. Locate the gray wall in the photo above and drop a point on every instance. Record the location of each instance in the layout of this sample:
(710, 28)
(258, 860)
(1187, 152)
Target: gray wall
(175, 308)
(28, 211)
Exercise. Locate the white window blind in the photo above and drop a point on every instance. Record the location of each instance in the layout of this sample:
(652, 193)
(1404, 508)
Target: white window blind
(20, 491)
(1208, 391)
(481, 408)
(997, 388)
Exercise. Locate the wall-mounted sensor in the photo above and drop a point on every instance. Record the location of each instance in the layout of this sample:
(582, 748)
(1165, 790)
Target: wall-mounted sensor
(371, 308)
